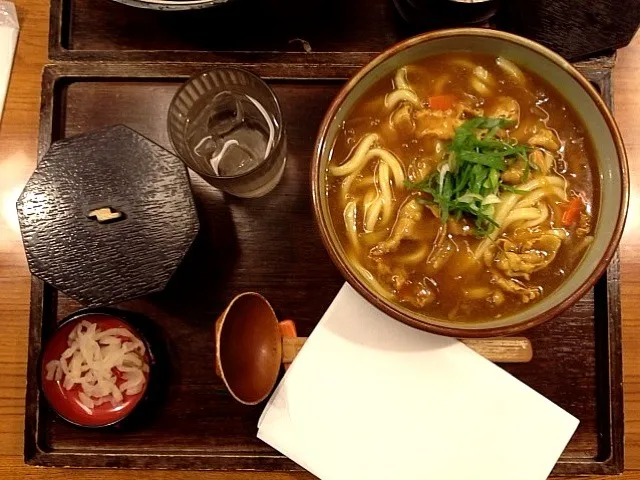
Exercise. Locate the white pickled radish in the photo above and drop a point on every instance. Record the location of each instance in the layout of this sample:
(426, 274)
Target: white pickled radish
(109, 340)
(117, 394)
(86, 401)
(64, 365)
(101, 400)
(134, 379)
(52, 369)
(92, 359)
(114, 332)
(134, 390)
(67, 353)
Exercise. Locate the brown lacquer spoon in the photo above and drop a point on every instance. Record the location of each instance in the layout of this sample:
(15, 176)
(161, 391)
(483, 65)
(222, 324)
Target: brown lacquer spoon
(251, 347)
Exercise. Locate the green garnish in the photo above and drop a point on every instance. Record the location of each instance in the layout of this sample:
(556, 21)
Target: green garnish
(509, 188)
(468, 182)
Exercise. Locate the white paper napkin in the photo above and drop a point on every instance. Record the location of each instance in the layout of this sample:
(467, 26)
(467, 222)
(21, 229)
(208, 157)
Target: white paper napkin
(8, 40)
(370, 398)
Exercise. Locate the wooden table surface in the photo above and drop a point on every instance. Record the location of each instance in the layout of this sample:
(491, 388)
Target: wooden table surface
(18, 136)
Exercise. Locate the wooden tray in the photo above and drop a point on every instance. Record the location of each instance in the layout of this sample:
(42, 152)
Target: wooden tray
(270, 245)
(337, 31)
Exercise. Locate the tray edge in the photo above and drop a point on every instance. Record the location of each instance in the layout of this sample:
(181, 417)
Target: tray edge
(36, 454)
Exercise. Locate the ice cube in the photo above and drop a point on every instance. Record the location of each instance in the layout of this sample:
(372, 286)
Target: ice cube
(206, 147)
(225, 113)
(235, 159)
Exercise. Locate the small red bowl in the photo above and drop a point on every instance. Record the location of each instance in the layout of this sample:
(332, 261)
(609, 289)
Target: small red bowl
(66, 403)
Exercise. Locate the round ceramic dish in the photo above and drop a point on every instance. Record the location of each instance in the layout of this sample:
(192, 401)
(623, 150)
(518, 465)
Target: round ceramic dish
(173, 4)
(611, 159)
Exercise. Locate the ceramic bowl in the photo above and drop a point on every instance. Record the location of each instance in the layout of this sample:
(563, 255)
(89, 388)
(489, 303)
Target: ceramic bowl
(173, 5)
(611, 160)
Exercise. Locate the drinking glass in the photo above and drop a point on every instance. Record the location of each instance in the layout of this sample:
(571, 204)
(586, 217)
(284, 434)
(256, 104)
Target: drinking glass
(226, 125)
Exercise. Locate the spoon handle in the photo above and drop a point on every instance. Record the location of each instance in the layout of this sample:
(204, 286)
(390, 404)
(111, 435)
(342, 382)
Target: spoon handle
(502, 349)
(290, 348)
(499, 350)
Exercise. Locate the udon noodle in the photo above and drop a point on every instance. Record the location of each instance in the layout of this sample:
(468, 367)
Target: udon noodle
(463, 187)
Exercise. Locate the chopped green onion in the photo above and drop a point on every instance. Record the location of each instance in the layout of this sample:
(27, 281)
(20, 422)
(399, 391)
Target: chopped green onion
(490, 199)
(468, 183)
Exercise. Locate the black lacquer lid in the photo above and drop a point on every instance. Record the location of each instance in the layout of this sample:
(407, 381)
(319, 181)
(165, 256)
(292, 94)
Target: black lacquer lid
(107, 216)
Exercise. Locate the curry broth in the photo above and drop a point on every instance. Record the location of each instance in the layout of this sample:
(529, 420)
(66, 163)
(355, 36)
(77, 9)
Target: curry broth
(462, 289)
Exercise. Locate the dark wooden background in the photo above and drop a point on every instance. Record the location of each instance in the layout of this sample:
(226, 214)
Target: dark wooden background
(337, 31)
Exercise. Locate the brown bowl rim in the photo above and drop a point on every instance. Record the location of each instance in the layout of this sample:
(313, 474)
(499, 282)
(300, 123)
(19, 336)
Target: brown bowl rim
(453, 331)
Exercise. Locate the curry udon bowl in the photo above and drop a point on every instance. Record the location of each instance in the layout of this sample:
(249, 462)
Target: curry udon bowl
(604, 214)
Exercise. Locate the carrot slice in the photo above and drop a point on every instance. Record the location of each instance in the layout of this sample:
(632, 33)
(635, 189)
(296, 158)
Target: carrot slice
(572, 214)
(442, 102)
(287, 329)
